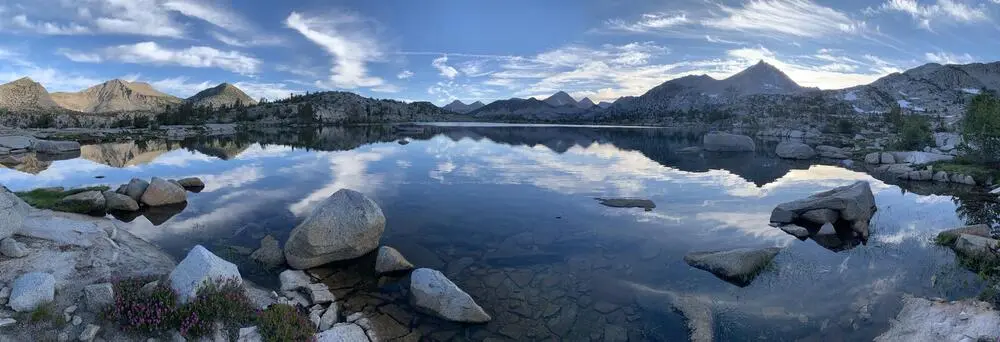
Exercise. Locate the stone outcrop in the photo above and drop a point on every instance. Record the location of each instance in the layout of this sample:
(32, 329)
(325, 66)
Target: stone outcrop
(12, 212)
(31, 290)
(432, 292)
(116, 201)
(854, 203)
(725, 142)
(198, 269)
(135, 188)
(346, 225)
(737, 266)
(831, 152)
(84, 202)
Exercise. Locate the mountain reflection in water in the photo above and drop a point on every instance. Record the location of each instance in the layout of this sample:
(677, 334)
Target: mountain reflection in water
(509, 214)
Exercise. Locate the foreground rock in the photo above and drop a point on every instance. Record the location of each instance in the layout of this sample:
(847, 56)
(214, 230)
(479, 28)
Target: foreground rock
(31, 290)
(345, 226)
(738, 266)
(135, 188)
(854, 203)
(162, 192)
(925, 320)
(975, 246)
(12, 212)
(725, 142)
(794, 150)
(12, 248)
(390, 260)
(343, 332)
(645, 204)
(431, 291)
(199, 269)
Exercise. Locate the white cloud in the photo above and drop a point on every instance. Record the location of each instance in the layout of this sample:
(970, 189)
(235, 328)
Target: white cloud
(153, 53)
(217, 16)
(799, 18)
(142, 17)
(179, 86)
(711, 39)
(270, 91)
(351, 47)
(53, 80)
(949, 58)
(404, 74)
(942, 10)
(649, 22)
(446, 70)
(49, 28)
(256, 40)
(81, 57)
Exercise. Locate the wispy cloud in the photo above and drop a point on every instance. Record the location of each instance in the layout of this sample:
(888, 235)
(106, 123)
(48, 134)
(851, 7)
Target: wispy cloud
(203, 10)
(48, 28)
(404, 74)
(443, 68)
(941, 10)
(949, 58)
(649, 22)
(343, 37)
(153, 53)
(798, 18)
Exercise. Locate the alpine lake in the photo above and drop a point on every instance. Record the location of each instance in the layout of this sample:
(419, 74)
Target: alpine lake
(508, 212)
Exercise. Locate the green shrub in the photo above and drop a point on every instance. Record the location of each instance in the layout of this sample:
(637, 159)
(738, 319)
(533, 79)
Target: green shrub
(914, 133)
(281, 322)
(981, 130)
(47, 199)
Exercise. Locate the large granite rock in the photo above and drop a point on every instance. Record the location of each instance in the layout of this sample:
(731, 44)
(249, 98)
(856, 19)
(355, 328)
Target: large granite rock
(191, 182)
(135, 188)
(390, 260)
(948, 237)
(201, 267)
(269, 254)
(975, 246)
(162, 192)
(737, 266)
(346, 225)
(12, 212)
(855, 203)
(725, 142)
(84, 202)
(926, 320)
(873, 158)
(31, 290)
(794, 150)
(116, 201)
(432, 292)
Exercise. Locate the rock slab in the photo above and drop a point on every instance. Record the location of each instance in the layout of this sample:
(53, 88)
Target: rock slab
(431, 291)
(854, 203)
(737, 266)
(99, 296)
(31, 290)
(84, 202)
(345, 226)
(794, 150)
(12, 212)
(926, 320)
(343, 332)
(199, 268)
(390, 260)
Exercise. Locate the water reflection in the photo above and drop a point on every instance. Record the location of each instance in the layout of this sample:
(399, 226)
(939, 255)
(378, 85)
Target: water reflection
(508, 213)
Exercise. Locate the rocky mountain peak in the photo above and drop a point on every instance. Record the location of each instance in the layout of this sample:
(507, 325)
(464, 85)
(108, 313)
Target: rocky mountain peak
(761, 78)
(560, 98)
(224, 94)
(585, 103)
(25, 94)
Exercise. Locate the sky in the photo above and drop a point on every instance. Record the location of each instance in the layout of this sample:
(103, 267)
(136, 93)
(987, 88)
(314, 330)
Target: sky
(443, 50)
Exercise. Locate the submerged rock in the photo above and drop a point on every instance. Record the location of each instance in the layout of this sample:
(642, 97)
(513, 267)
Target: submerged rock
(191, 182)
(31, 290)
(199, 268)
(925, 320)
(390, 260)
(854, 203)
(737, 266)
(269, 254)
(162, 192)
(725, 142)
(345, 226)
(794, 150)
(431, 291)
(646, 204)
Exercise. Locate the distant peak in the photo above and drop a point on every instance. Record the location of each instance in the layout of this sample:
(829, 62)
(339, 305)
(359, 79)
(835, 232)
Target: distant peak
(561, 93)
(478, 103)
(25, 79)
(457, 102)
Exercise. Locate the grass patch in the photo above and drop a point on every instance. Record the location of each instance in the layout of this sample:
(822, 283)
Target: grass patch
(49, 199)
(158, 310)
(281, 322)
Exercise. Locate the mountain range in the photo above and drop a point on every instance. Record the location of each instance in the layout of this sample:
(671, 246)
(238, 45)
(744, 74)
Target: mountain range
(114, 96)
(761, 89)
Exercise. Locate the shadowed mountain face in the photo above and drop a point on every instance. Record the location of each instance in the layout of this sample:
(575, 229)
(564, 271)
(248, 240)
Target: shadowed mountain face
(222, 95)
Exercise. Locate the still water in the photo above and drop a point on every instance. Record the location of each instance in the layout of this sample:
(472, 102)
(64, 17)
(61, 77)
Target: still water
(508, 213)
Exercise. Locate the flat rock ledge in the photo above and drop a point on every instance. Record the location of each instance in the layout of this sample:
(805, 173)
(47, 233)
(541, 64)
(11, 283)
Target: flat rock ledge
(927, 320)
(737, 266)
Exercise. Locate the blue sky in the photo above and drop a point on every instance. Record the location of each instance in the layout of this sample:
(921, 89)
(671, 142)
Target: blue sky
(438, 50)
